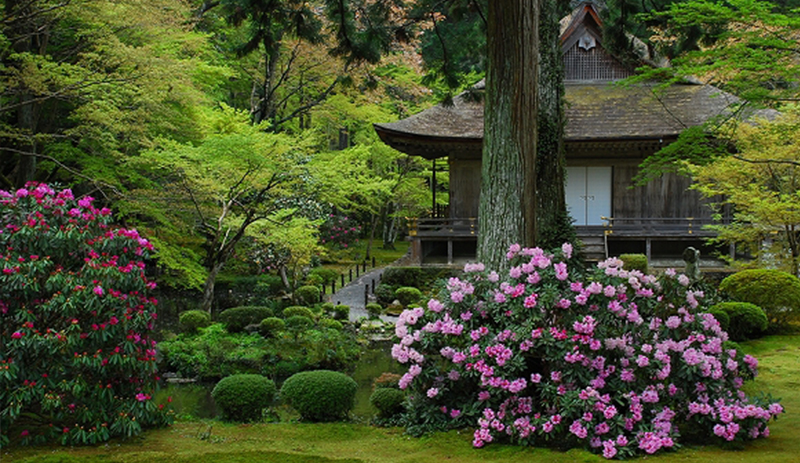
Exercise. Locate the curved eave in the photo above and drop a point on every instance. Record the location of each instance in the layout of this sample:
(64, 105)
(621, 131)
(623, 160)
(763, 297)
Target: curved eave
(429, 146)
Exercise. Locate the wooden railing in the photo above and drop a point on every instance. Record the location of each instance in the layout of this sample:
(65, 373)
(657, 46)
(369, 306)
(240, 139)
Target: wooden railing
(657, 226)
(452, 227)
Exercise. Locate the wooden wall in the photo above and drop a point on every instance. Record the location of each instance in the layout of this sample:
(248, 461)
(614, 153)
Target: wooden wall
(465, 187)
(668, 196)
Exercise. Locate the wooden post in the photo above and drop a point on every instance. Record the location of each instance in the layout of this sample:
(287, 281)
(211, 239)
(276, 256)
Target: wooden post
(373, 286)
(433, 188)
(333, 287)
(351, 274)
(373, 261)
(342, 275)
(366, 295)
(364, 266)
(358, 267)
(449, 252)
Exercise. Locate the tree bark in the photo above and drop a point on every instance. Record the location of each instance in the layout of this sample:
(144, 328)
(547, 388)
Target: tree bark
(508, 203)
(208, 288)
(554, 224)
(25, 38)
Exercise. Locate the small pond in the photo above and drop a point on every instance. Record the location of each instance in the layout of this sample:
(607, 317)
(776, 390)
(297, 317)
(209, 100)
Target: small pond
(193, 400)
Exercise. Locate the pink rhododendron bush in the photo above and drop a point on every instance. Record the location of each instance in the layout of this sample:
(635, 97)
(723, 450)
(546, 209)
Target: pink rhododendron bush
(77, 362)
(618, 362)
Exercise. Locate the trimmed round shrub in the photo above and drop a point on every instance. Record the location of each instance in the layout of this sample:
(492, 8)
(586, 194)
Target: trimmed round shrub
(776, 292)
(341, 312)
(191, 320)
(243, 397)
(320, 395)
(327, 275)
(307, 295)
(374, 310)
(237, 318)
(746, 320)
(314, 280)
(388, 401)
(270, 326)
(298, 310)
(408, 295)
(384, 294)
(331, 323)
(634, 262)
(721, 316)
(327, 308)
(299, 323)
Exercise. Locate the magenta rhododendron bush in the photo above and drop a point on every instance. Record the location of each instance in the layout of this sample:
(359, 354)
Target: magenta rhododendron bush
(77, 361)
(618, 362)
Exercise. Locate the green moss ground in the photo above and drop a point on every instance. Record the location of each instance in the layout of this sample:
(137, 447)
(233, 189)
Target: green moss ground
(779, 358)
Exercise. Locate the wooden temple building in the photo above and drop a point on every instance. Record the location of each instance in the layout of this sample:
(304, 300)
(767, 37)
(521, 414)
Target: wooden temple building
(610, 129)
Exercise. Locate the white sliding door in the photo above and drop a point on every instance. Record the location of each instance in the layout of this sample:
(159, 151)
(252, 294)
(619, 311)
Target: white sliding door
(588, 194)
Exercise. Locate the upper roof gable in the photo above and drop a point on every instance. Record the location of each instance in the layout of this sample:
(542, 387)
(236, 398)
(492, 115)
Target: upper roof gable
(583, 19)
(585, 58)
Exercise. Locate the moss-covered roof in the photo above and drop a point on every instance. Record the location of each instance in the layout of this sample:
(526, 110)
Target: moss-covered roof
(595, 112)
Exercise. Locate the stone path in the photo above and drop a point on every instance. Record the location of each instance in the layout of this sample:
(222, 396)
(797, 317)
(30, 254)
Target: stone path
(353, 294)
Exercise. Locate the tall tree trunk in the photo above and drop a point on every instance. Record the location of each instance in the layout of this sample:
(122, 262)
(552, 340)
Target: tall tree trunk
(554, 224)
(25, 35)
(373, 223)
(285, 278)
(508, 202)
(208, 288)
(263, 108)
(389, 226)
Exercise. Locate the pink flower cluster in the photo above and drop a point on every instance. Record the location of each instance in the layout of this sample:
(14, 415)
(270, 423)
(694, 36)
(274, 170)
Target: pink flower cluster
(617, 359)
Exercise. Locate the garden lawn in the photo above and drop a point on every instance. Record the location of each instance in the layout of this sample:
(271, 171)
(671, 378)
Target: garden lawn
(216, 442)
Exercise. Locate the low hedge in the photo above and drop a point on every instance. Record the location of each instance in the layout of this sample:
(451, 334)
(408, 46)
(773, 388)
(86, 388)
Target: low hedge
(237, 318)
(243, 397)
(320, 395)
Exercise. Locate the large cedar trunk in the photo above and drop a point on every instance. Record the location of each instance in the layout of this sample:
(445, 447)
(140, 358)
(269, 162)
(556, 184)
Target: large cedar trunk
(508, 200)
(554, 224)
